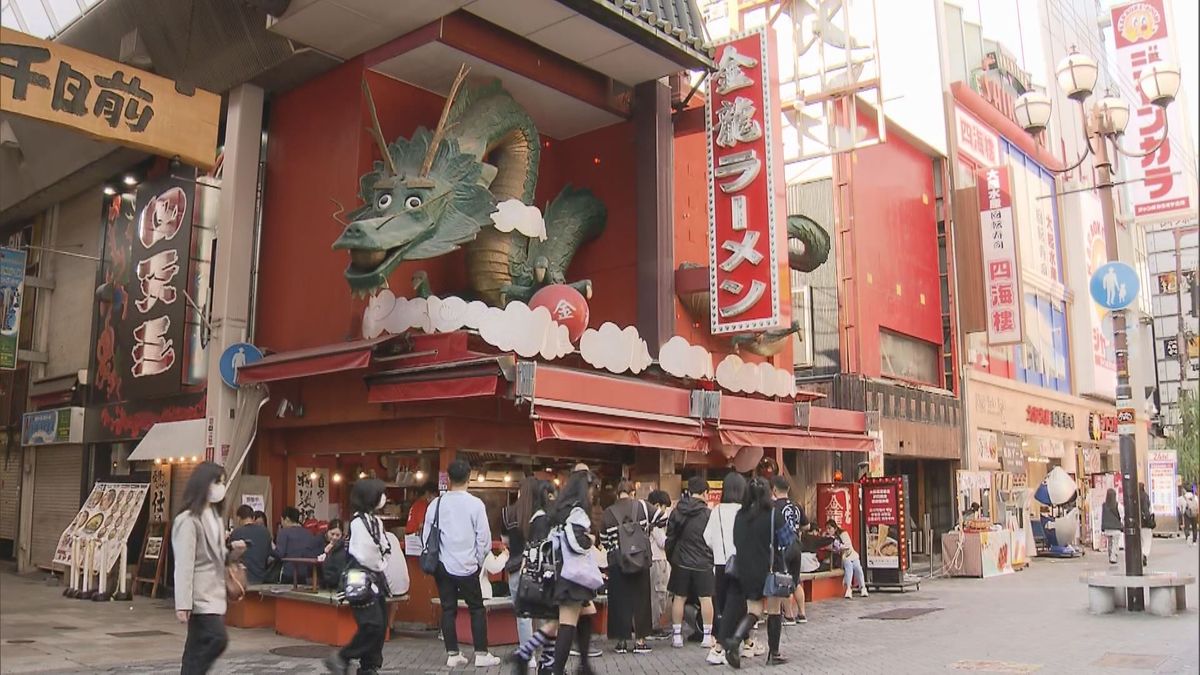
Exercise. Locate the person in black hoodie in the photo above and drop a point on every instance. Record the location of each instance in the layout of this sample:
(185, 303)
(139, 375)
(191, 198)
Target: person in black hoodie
(691, 559)
(746, 604)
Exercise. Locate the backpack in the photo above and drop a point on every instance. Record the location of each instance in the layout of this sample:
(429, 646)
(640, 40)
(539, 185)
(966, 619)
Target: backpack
(633, 542)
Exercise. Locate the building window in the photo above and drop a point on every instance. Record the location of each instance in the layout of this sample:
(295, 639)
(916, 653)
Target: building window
(802, 311)
(908, 358)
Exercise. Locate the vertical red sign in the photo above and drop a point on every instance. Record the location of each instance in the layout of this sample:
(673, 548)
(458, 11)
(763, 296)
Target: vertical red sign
(747, 268)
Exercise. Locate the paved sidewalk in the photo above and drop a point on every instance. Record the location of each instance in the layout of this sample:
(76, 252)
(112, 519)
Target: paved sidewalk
(1033, 621)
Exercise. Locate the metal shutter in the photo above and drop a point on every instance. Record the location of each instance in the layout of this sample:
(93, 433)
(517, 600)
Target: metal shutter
(10, 494)
(57, 475)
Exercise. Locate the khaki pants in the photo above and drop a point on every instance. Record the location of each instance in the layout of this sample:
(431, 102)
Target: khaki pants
(660, 601)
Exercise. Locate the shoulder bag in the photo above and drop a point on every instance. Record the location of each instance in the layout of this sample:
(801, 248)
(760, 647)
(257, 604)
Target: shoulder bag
(432, 548)
(578, 568)
(778, 584)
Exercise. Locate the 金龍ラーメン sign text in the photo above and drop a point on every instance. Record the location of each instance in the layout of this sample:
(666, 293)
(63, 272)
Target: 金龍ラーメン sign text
(106, 100)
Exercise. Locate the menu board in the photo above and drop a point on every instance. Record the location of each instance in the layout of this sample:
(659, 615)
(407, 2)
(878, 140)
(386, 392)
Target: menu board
(107, 517)
(884, 515)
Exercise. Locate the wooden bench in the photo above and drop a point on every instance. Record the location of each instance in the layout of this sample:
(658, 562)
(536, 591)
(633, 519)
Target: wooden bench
(822, 585)
(319, 617)
(1167, 591)
(502, 619)
(257, 609)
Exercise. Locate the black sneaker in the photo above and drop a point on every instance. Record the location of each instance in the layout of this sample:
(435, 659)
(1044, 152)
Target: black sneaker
(802, 619)
(776, 660)
(640, 647)
(593, 653)
(622, 647)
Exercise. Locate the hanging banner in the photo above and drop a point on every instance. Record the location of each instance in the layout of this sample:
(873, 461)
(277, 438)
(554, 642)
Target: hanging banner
(838, 502)
(312, 493)
(106, 100)
(1001, 268)
(1158, 183)
(12, 291)
(747, 268)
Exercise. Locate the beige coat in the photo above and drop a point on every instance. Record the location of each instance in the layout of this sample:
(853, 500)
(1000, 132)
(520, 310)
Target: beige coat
(199, 548)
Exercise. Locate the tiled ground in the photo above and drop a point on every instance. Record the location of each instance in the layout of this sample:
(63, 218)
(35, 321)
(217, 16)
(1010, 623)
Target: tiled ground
(1033, 621)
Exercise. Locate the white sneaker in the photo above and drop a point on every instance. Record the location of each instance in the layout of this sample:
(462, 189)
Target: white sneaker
(708, 642)
(716, 657)
(456, 660)
(486, 660)
(849, 593)
(864, 592)
(677, 641)
(753, 648)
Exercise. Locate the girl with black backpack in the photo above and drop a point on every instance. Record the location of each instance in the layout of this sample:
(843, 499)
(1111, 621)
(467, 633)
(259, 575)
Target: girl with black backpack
(363, 584)
(535, 574)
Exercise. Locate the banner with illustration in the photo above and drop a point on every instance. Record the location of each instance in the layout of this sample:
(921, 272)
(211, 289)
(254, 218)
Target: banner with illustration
(107, 517)
(884, 514)
(12, 289)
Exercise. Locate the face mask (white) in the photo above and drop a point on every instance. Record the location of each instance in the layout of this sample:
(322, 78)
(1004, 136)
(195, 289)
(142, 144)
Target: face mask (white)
(216, 492)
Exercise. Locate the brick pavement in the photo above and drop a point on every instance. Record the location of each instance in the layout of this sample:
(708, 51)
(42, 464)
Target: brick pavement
(1033, 621)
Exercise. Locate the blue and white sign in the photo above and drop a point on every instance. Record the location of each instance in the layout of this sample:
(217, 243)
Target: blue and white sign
(237, 355)
(1114, 285)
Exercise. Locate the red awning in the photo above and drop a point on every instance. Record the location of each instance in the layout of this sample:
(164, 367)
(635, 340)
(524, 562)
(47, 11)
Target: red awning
(433, 389)
(321, 360)
(795, 439)
(594, 427)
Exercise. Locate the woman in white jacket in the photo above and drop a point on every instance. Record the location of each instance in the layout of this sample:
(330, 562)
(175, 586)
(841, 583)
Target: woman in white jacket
(718, 534)
(199, 546)
(370, 550)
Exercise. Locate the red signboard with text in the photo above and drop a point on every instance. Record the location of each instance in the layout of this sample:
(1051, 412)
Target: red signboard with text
(1142, 38)
(746, 239)
(1001, 266)
(838, 501)
(883, 506)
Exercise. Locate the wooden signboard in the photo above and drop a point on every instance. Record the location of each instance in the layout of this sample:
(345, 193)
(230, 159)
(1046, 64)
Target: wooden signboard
(153, 561)
(106, 100)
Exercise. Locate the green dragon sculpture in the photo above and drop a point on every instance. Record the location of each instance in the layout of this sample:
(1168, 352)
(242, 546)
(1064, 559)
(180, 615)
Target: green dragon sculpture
(437, 191)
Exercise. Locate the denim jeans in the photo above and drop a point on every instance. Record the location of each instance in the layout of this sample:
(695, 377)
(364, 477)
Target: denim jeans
(524, 626)
(853, 572)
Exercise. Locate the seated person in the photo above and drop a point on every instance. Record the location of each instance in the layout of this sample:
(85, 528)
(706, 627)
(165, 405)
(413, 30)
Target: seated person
(333, 556)
(293, 541)
(258, 544)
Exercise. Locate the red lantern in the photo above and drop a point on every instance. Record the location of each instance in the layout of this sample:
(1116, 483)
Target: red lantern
(566, 305)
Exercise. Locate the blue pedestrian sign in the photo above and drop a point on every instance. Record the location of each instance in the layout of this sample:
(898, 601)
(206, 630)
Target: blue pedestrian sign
(1114, 286)
(237, 355)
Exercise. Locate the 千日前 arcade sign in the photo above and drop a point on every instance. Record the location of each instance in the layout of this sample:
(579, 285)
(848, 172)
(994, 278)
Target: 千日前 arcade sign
(106, 100)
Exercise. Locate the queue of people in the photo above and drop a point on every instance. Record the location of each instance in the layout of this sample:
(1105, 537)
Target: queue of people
(731, 567)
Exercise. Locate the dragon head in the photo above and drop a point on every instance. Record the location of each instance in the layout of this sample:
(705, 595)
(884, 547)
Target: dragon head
(415, 206)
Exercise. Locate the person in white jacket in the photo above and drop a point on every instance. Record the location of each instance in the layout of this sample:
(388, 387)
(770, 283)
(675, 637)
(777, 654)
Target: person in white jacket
(369, 549)
(718, 534)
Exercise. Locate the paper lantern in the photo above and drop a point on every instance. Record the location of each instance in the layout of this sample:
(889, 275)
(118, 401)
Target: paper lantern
(566, 305)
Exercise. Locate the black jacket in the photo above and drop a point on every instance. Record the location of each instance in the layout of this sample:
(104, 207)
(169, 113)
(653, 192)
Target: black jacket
(1110, 518)
(752, 538)
(686, 547)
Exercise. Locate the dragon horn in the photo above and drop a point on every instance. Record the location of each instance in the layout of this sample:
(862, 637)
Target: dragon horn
(441, 126)
(376, 130)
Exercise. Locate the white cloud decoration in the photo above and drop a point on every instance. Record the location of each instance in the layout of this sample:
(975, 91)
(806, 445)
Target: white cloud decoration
(738, 376)
(681, 359)
(513, 214)
(528, 332)
(615, 349)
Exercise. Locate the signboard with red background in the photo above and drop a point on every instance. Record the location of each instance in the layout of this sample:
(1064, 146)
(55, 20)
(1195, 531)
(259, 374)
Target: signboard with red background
(886, 545)
(1141, 35)
(747, 265)
(838, 501)
(1001, 266)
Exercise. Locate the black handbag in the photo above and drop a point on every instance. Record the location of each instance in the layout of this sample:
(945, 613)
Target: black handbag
(432, 547)
(778, 584)
(357, 587)
(535, 587)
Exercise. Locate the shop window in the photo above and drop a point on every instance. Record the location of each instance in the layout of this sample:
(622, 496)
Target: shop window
(908, 358)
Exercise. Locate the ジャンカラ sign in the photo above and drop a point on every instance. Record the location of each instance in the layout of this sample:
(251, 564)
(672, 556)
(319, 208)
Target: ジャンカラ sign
(106, 100)
(746, 270)
(1001, 266)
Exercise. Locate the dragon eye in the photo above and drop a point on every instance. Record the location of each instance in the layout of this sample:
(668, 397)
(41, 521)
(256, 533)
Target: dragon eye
(412, 202)
(383, 201)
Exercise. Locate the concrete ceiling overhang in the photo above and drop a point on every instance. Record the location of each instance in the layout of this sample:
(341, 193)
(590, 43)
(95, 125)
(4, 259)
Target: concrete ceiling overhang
(347, 28)
(564, 98)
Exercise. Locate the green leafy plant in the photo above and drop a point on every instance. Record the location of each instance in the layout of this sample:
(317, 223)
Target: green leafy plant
(1186, 437)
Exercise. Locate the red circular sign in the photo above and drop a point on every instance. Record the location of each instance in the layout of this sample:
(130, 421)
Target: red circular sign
(566, 306)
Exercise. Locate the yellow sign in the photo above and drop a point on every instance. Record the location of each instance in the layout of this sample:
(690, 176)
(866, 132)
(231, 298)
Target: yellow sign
(106, 100)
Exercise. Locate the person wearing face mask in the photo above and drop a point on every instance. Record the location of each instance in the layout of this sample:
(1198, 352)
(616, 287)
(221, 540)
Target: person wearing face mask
(198, 542)
(368, 548)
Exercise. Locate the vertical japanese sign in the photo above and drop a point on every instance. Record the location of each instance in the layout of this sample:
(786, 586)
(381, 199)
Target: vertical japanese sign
(1095, 367)
(312, 493)
(884, 516)
(12, 292)
(1001, 272)
(1161, 467)
(52, 82)
(747, 273)
(152, 325)
(838, 501)
(1141, 37)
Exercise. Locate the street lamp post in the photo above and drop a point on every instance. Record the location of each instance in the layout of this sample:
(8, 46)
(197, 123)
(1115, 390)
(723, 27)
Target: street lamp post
(1105, 123)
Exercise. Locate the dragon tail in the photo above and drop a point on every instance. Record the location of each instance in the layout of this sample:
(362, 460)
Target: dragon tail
(816, 243)
(574, 218)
